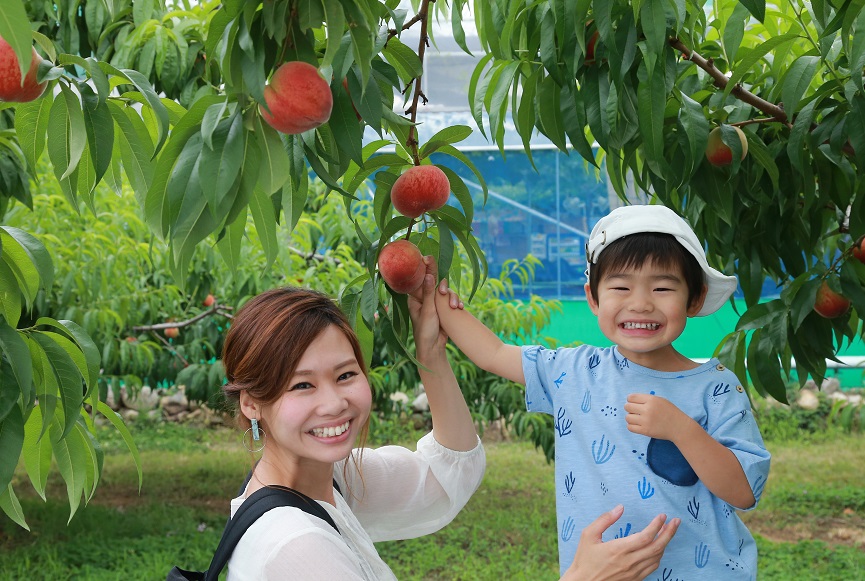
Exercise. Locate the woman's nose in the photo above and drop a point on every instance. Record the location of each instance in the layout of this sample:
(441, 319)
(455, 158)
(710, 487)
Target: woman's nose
(333, 399)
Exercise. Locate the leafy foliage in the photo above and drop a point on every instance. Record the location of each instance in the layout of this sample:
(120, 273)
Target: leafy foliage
(165, 96)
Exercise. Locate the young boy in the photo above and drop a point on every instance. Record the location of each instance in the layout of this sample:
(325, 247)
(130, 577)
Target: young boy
(639, 423)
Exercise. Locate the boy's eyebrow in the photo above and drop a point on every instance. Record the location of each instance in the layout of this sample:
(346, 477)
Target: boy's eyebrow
(655, 277)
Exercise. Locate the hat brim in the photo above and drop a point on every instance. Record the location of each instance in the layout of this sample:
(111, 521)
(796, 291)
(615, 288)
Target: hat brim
(720, 288)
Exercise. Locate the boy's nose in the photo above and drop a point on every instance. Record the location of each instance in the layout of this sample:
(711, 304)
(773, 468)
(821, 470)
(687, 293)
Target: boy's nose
(640, 304)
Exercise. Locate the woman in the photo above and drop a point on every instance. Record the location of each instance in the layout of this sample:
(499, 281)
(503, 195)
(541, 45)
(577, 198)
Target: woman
(296, 373)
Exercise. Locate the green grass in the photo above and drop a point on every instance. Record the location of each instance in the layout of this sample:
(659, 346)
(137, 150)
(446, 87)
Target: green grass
(812, 517)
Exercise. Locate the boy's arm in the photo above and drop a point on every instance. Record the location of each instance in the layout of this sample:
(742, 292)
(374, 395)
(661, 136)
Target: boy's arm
(716, 466)
(482, 346)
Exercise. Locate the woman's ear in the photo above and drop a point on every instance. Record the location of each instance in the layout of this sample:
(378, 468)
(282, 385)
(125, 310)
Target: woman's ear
(248, 406)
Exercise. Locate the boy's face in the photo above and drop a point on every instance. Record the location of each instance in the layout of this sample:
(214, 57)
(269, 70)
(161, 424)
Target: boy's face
(643, 311)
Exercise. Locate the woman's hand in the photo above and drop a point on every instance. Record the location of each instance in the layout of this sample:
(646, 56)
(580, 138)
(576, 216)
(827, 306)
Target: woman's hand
(430, 339)
(626, 559)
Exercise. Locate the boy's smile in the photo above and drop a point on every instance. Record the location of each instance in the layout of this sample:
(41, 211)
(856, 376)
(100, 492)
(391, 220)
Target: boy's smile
(643, 311)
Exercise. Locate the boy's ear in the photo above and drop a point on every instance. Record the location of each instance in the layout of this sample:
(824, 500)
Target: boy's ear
(698, 303)
(593, 304)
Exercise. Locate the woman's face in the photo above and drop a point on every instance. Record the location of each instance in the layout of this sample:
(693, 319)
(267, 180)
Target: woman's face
(325, 405)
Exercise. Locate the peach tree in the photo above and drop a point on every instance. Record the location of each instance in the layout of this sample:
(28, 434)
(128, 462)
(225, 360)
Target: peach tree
(170, 98)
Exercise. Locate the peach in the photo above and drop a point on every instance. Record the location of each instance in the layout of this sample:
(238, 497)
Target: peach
(830, 304)
(298, 97)
(401, 266)
(420, 189)
(719, 153)
(11, 87)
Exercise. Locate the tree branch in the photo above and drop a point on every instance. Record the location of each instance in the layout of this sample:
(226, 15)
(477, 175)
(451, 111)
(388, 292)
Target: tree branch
(776, 112)
(391, 32)
(411, 142)
(215, 309)
(310, 256)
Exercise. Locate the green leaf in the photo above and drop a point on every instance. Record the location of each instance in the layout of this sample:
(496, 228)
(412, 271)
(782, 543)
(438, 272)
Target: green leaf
(10, 295)
(83, 350)
(11, 443)
(15, 30)
(193, 223)
(18, 356)
(457, 154)
(33, 249)
(798, 136)
(99, 126)
(117, 422)
(695, 130)
(448, 135)
(70, 463)
(652, 102)
(346, 128)
(61, 142)
(743, 67)
(68, 378)
(10, 505)
(763, 156)
(756, 7)
(156, 106)
(335, 20)
(156, 207)
(218, 166)
(446, 248)
(231, 242)
(36, 452)
(31, 124)
(136, 150)
(294, 199)
(654, 24)
(265, 224)
(797, 79)
(403, 59)
(274, 168)
(460, 192)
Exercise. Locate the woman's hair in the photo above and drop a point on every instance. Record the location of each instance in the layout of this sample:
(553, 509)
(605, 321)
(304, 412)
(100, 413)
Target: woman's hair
(636, 250)
(267, 338)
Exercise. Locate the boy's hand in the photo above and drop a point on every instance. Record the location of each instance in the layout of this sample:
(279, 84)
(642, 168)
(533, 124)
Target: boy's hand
(654, 416)
(453, 298)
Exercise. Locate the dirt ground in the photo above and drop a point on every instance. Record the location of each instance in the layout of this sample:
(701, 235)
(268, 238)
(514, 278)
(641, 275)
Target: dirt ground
(847, 529)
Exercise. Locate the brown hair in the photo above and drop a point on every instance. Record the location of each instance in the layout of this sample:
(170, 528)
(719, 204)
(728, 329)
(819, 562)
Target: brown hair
(267, 339)
(635, 250)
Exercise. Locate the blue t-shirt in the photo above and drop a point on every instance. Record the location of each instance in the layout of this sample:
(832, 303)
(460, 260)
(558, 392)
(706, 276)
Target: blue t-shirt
(600, 464)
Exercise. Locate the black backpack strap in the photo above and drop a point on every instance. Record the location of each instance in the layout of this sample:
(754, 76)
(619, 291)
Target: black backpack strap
(258, 503)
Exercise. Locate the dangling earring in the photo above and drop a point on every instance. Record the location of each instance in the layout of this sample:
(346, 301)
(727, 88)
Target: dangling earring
(258, 435)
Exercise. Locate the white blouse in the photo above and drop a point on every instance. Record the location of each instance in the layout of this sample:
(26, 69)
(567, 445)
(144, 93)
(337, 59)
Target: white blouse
(403, 495)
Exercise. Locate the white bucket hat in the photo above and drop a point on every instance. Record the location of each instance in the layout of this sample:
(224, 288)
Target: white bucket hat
(637, 219)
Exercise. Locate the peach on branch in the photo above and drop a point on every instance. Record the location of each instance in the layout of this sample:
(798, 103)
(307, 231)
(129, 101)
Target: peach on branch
(12, 89)
(859, 250)
(590, 48)
(298, 97)
(172, 332)
(719, 153)
(208, 300)
(830, 304)
(420, 189)
(401, 266)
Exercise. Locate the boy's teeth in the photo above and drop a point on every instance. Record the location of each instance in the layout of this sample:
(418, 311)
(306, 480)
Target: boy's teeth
(650, 326)
(330, 432)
